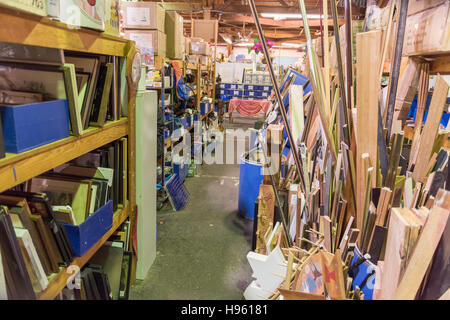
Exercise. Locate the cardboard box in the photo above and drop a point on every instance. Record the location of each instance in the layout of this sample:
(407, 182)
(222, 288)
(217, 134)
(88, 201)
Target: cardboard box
(428, 32)
(38, 7)
(199, 47)
(416, 6)
(112, 8)
(205, 29)
(78, 13)
(143, 15)
(149, 39)
(194, 58)
(187, 45)
(174, 33)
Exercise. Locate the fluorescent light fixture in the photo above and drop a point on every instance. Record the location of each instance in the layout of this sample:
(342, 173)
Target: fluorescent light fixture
(228, 41)
(284, 16)
(293, 45)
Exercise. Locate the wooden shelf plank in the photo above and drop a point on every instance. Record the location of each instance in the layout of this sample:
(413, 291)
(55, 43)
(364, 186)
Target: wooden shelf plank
(60, 281)
(440, 64)
(191, 66)
(23, 28)
(18, 168)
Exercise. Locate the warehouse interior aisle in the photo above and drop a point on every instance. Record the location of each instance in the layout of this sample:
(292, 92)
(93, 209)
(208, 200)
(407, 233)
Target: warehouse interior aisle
(201, 250)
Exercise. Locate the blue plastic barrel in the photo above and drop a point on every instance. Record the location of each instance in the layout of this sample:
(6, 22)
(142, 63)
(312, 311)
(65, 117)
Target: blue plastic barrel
(250, 178)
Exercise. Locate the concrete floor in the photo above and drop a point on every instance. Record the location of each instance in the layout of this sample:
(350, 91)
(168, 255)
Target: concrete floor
(201, 250)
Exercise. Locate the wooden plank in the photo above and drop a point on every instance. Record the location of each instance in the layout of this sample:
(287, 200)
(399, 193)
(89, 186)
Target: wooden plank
(287, 280)
(60, 281)
(368, 49)
(132, 91)
(23, 28)
(298, 295)
(383, 206)
(396, 253)
(422, 255)
(407, 89)
(266, 207)
(15, 169)
(296, 112)
(430, 129)
(325, 221)
(440, 64)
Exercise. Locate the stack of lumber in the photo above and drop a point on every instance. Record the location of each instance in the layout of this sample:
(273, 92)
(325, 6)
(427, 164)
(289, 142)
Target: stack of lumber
(368, 218)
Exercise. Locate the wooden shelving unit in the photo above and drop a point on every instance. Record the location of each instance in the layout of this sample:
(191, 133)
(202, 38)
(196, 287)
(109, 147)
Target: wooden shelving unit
(18, 168)
(21, 28)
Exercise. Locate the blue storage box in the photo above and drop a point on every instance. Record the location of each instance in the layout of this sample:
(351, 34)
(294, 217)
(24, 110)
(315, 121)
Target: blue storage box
(204, 108)
(85, 235)
(227, 86)
(196, 117)
(29, 126)
(180, 169)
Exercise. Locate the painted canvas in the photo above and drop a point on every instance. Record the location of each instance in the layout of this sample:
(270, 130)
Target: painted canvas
(310, 279)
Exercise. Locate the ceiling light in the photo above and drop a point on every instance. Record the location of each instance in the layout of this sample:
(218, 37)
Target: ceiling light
(228, 41)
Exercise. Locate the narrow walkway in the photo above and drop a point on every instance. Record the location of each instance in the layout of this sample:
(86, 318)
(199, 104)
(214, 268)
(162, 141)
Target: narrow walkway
(201, 250)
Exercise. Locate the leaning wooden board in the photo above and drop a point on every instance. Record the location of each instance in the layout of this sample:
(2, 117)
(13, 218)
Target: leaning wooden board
(368, 50)
(430, 129)
(396, 253)
(265, 215)
(422, 255)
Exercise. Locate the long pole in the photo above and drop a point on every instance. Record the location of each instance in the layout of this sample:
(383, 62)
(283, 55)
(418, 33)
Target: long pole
(395, 70)
(317, 83)
(341, 70)
(348, 45)
(276, 88)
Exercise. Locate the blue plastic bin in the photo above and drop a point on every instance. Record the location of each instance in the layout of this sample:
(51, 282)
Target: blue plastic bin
(85, 235)
(29, 126)
(250, 178)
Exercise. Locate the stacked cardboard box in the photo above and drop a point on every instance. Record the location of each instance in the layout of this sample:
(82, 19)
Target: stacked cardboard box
(175, 36)
(144, 23)
(427, 27)
(199, 51)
